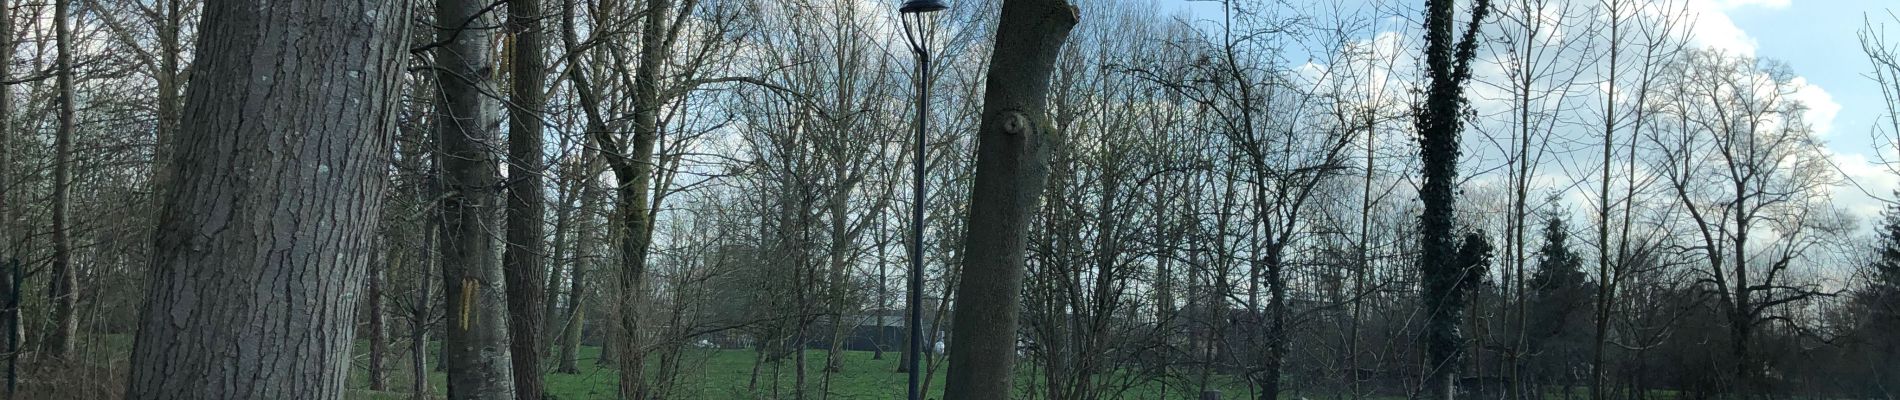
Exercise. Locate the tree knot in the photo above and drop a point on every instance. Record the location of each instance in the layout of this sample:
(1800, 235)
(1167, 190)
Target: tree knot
(1015, 122)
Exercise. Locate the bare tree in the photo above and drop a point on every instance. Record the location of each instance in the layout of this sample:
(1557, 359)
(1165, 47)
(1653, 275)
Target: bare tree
(1011, 170)
(64, 292)
(1749, 178)
(475, 350)
(523, 260)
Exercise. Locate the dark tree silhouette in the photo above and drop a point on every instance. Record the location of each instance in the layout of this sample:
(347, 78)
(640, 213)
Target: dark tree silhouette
(1438, 120)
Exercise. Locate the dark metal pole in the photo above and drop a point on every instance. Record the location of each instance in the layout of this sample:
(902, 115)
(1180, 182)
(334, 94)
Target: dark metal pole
(917, 226)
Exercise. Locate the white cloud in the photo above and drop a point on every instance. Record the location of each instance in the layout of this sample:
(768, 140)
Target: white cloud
(1770, 4)
(1868, 179)
(1714, 29)
(1821, 106)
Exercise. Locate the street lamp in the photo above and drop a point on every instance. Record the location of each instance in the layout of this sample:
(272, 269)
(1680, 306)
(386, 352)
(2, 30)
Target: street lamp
(920, 30)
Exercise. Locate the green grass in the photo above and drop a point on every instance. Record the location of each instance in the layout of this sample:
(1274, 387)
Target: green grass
(726, 374)
(708, 374)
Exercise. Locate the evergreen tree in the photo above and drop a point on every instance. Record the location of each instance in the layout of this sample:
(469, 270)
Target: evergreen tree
(1558, 289)
(1876, 308)
(1882, 294)
(1557, 330)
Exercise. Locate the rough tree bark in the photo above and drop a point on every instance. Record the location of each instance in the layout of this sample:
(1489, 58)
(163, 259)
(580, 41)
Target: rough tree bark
(1448, 64)
(1011, 170)
(475, 350)
(523, 260)
(290, 121)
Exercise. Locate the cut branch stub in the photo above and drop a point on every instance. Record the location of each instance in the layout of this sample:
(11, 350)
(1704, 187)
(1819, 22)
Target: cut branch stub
(1016, 123)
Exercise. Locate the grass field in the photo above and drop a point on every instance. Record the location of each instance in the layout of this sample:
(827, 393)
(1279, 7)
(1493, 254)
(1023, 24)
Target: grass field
(711, 374)
(725, 374)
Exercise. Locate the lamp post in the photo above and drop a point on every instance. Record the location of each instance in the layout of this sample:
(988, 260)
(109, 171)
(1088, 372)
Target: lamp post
(920, 29)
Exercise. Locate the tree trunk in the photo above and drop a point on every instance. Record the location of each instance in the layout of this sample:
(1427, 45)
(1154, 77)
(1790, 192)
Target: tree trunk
(635, 172)
(16, 332)
(167, 77)
(7, 208)
(419, 322)
(416, 152)
(1439, 126)
(840, 247)
(64, 285)
(571, 334)
(1011, 170)
(1365, 259)
(378, 335)
(476, 350)
(586, 242)
(523, 260)
(290, 121)
(560, 252)
(1606, 285)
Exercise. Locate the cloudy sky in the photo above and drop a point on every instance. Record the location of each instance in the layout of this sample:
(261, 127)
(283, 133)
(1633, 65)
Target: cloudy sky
(1819, 40)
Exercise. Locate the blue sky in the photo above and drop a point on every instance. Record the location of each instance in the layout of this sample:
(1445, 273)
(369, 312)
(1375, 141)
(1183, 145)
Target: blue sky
(1817, 39)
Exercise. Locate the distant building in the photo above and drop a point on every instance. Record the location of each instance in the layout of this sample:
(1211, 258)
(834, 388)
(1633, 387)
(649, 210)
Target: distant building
(875, 328)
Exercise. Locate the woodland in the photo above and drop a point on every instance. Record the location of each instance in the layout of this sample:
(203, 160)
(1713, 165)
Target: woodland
(1106, 199)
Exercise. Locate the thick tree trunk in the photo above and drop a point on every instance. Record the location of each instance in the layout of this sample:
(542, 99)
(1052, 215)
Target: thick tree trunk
(65, 282)
(476, 351)
(1438, 124)
(1011, 170)
(290, 120)
(523, 260)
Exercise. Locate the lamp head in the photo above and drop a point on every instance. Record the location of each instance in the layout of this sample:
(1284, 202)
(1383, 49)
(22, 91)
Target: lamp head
(922, 6)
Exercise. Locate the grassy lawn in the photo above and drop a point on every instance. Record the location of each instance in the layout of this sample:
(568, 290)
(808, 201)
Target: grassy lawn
(725, 374)
(710, 374)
